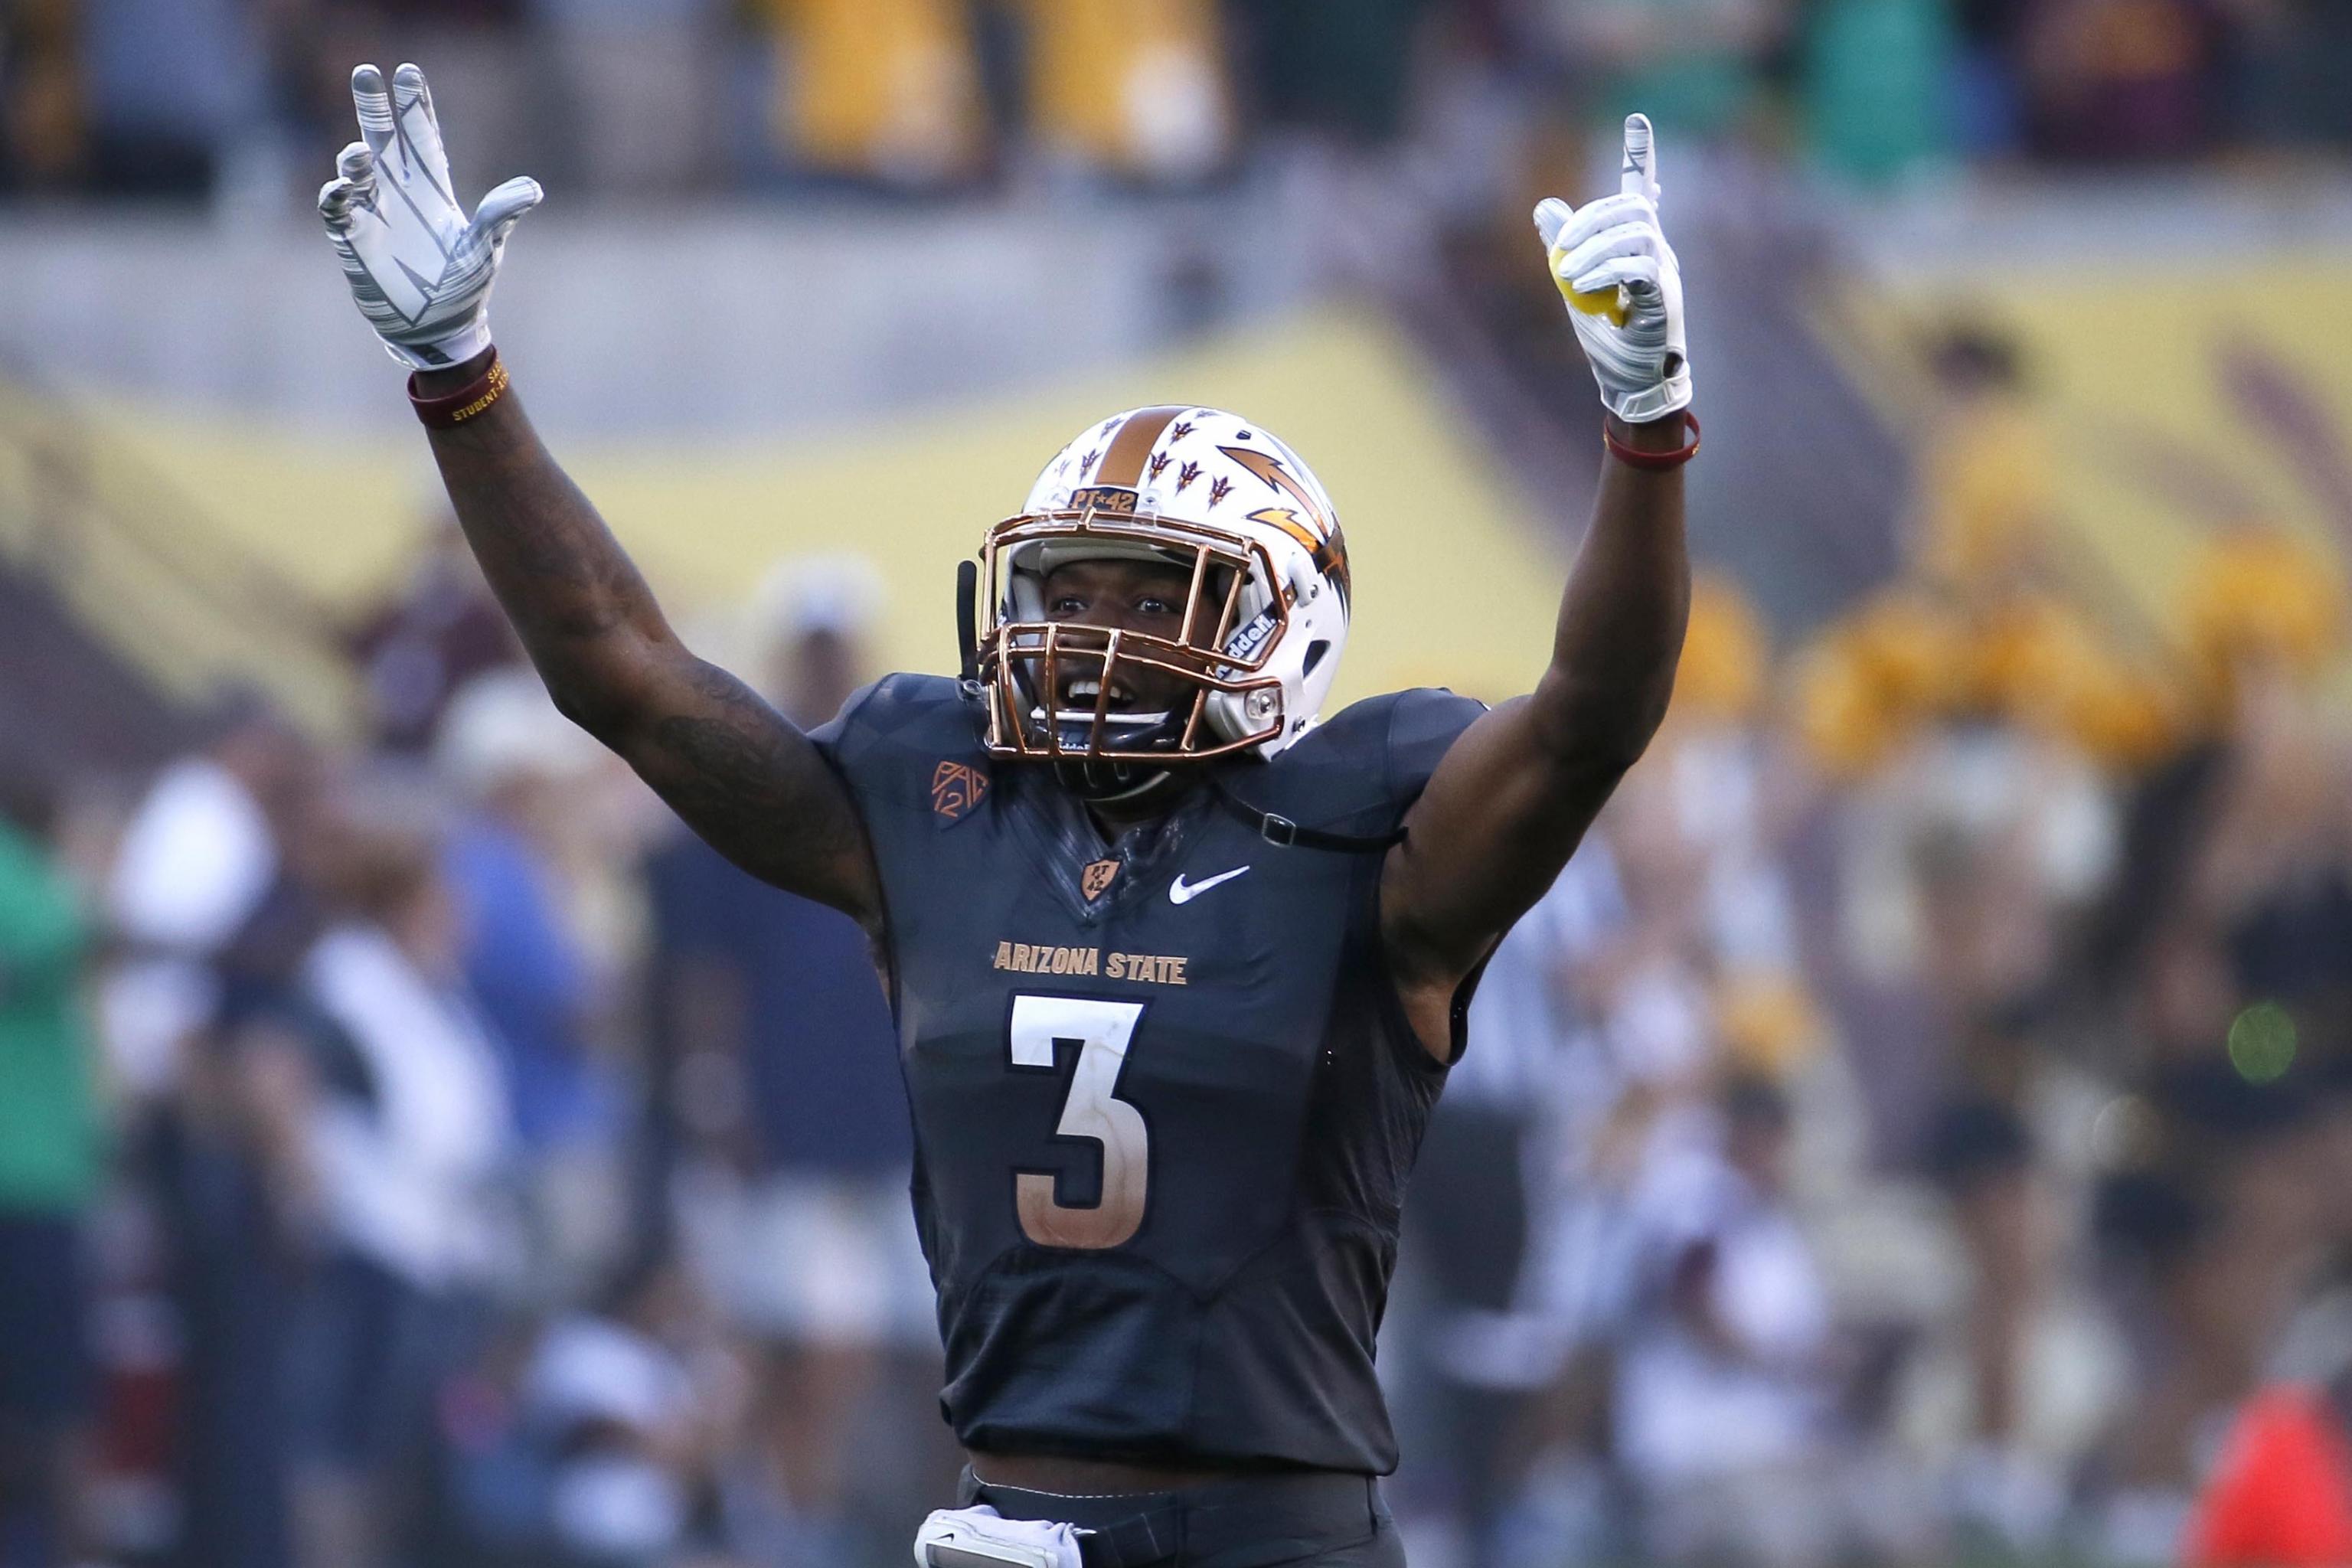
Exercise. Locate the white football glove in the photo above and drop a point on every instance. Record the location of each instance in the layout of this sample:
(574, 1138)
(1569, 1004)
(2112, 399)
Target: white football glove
(1623, 287)
(977, 1534)
(420, 271)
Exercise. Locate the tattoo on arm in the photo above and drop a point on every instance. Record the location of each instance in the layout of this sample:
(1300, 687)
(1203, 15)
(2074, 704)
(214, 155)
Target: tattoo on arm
(734, 768)
(741, 776)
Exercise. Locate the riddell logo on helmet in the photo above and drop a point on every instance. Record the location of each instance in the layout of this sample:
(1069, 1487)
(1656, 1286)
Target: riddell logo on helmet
(1245, 643)
(1104, 498)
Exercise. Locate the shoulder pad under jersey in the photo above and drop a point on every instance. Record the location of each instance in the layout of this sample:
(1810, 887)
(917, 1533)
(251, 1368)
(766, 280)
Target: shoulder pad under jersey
(1360, 770)
(927, 718)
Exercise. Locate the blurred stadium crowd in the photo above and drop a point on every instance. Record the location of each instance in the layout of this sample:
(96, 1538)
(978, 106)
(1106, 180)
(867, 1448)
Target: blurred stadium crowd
(184, 97)
(1907, 1133)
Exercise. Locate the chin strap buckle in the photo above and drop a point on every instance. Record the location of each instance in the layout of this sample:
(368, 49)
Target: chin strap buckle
(1278, 831)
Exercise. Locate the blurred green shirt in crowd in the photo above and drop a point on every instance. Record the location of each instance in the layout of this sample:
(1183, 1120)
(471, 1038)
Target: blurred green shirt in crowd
(1693, 66)
(50, 1139)
(1878, 84)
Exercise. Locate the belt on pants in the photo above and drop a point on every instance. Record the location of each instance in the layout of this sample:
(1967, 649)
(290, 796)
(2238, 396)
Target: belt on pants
(1228, 1524)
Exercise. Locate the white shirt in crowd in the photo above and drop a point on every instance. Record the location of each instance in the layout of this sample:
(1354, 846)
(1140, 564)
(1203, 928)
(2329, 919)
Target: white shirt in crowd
(1687, 1409)
(405, 1180)
(194, 863)
(613, 1499)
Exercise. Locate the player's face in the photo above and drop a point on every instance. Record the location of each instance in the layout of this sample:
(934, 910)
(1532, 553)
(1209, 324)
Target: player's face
(1123, 595)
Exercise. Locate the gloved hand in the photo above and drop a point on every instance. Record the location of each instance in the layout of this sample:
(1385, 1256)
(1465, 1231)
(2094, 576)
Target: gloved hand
(420, 271)
(1623, 287)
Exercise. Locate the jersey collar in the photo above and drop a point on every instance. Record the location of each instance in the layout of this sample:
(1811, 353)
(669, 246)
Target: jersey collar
(1065, 840)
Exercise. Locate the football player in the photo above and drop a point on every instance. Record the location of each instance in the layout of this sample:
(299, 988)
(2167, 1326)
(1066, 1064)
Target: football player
(1178, 961)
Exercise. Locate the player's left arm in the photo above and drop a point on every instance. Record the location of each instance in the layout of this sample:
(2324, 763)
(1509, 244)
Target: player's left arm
(1507, 805)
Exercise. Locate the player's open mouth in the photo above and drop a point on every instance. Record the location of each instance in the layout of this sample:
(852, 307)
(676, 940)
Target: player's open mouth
(1125, 707)
(1088, 692)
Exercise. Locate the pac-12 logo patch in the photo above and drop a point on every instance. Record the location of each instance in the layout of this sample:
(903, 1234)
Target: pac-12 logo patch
(1095, 879)
(956, 788)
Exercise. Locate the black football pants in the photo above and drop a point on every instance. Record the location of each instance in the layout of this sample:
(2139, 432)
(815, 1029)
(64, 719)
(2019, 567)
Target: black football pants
(1320, 1519)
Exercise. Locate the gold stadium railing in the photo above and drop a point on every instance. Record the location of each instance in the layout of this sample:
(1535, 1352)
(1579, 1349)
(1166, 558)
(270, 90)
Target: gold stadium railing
(146, 570)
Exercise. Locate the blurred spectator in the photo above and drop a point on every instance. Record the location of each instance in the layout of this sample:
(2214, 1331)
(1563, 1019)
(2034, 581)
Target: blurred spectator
(407, 1135)
(1511, 1277)
(787, 1072)
(50, 1153)
(641, 96)
(1987, 476)
(1986, 110)
(439, 631)
(1340, 67)
(1983, 1153)
(1695, 66)
(885, 92)
(230, 1169)
(2288, 61)
(524, 773)
(1513, 1233)
(199, 854)
(1878, 84)
(1135, 87)
(2111, 80)
(620, 1418)
(1722, 1392)
(170, 85)
(44, 136)
(633, 75)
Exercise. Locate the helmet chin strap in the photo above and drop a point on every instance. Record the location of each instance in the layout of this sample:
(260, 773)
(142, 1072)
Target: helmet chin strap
(1100, 781)
(968, 618)
(1111, 783)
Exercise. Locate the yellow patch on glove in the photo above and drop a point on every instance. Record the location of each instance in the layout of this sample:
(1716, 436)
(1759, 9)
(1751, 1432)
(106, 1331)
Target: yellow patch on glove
(1609, 302)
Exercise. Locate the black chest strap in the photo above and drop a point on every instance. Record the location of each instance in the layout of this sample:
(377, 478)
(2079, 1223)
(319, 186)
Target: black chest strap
(1283, 833)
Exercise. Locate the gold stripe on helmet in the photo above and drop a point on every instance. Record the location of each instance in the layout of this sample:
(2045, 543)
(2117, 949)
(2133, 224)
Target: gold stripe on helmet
(1123, 464)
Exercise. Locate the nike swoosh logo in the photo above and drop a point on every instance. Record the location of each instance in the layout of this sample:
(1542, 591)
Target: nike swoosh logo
(1182, 892)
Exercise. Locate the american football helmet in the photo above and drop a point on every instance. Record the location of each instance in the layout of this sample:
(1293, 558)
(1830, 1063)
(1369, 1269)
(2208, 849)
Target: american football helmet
(1222, 500)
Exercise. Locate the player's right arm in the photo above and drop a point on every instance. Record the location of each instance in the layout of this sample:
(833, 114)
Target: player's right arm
(737, 771)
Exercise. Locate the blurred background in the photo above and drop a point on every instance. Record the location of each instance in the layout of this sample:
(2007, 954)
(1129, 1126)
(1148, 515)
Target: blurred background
(1915, 1129)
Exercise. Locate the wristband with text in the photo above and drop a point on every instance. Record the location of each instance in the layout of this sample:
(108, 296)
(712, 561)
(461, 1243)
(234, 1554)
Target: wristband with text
(452, 409)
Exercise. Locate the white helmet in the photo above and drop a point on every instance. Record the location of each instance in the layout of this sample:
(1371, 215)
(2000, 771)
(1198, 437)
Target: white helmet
(1264, 624)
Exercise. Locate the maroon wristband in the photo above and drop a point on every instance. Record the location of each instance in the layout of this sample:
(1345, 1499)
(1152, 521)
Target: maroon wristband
(452, 409)
(1655, 462)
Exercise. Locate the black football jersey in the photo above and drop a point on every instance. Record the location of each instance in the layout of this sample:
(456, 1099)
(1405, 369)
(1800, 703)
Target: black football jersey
(1165, 1097)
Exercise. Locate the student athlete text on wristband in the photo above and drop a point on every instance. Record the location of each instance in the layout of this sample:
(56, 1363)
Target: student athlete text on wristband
(452, 409)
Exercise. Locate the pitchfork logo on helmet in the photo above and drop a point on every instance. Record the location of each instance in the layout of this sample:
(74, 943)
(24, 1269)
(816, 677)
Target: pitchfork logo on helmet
(1263, 620)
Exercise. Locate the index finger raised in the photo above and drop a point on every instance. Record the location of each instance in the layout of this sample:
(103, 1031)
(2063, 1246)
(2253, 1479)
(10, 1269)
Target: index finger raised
(1638, 176)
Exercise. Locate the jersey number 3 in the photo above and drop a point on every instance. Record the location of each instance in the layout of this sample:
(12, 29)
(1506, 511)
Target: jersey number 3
(1101, 1031)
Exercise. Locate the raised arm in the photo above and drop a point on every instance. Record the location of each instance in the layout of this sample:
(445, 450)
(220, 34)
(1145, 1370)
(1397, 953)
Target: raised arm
(734, 768)
(1506, 807)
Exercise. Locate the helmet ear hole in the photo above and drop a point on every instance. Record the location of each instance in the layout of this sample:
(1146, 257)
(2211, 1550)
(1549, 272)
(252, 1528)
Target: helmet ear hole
(1315, 652)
